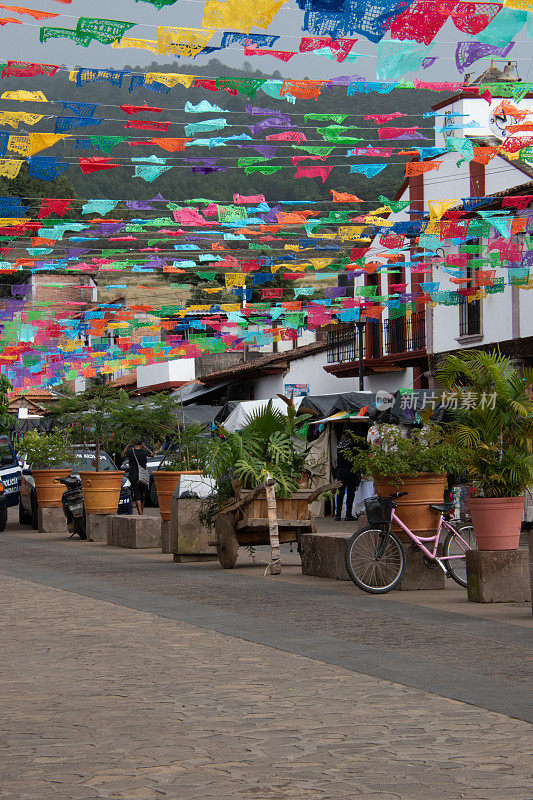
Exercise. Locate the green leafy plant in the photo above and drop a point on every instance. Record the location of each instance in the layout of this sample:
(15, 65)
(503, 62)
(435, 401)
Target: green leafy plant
(266, 447)
(495, 428)
(47, 450)
(6, 419)
(398, 456)
(188, 450)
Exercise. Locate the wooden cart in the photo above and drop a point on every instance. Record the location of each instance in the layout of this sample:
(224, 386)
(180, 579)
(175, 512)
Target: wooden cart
(257, 517)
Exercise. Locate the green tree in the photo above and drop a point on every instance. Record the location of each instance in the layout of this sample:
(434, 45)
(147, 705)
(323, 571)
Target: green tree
(105, 416)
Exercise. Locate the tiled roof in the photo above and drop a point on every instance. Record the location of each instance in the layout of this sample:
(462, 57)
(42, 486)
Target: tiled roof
(272, 360)
(125, 380)
(37, 395)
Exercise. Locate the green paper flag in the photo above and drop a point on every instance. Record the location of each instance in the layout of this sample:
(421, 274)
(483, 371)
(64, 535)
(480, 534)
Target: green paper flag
(245, 162)
(332, 117)
(106, 143)
(262, 169)
(395, 205)
(314, 151)
(159, 4)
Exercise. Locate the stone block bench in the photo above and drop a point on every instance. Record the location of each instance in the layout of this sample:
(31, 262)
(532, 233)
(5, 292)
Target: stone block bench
(188, 538)
(52, 520)
(323, 556)
(125, 530)
(498, 576)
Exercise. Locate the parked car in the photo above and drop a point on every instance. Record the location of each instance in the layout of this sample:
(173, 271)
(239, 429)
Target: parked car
(81, 460)
(10, 476)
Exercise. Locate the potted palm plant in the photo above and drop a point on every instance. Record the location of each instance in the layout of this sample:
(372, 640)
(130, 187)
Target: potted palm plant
(414, 461)
(47, 454)
(185, 455)
(494, 429)
(268, 446)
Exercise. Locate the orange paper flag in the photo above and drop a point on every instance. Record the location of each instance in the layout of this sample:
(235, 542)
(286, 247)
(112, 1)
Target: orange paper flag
(31, 12)
(418, 168)
(171, 145)
(373, 313)
(482, 155)
(342, 197)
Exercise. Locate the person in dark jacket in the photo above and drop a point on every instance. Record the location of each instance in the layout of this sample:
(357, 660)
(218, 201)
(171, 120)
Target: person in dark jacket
(350, 480)
(137, 455)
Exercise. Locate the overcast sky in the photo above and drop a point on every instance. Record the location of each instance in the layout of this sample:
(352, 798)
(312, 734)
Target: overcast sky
(22, 41)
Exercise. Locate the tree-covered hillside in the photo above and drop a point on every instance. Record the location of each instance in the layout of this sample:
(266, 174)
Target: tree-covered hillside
(180, 183)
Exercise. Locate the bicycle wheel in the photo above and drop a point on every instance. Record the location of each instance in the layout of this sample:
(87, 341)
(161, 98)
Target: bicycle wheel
(373, 575)
(453, 546)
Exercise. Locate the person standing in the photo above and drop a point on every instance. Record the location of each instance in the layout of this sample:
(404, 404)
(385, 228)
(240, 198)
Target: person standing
(137, 455)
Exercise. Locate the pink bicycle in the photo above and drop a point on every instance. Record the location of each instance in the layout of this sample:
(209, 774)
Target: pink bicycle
(375, 557)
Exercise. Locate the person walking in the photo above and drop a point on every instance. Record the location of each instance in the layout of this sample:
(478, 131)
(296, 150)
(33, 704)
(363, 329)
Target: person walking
(350, 480)
(137, 455)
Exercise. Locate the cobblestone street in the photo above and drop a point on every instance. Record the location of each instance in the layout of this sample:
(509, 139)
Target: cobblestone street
(127, 676)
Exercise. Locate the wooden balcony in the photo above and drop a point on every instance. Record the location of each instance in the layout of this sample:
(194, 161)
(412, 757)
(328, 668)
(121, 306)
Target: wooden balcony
(388, 346)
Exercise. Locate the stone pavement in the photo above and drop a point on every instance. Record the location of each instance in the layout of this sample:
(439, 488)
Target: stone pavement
(191, 682)
(100, 701)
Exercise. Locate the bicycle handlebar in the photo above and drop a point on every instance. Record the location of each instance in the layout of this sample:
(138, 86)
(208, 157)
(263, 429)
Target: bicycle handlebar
(397, 495)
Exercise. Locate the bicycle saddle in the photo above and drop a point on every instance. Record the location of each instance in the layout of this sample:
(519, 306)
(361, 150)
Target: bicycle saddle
(442, 507)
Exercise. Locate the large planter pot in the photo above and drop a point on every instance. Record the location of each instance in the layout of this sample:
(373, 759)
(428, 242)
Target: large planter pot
(414, 509)
(166, 482)
(101, 491)
(47, 487)
(497, 521)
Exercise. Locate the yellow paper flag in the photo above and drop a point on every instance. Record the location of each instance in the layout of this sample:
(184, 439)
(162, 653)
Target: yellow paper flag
(346, 233)
(10, 167)
(14, 118)
(136, 44)
(241, 14)
(235, 279)
(437, 209)
(40, 141)
(22, 95)
(184, 42)
(169, 79)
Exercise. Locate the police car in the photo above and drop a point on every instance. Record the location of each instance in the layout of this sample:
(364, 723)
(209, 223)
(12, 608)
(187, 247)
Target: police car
(10, 475)
(81, 460)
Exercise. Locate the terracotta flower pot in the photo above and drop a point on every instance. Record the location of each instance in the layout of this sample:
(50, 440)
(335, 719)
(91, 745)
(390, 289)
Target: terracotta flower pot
(414, 509)
(101, 491)
(497, 521)
(165, 483)
(47, 487)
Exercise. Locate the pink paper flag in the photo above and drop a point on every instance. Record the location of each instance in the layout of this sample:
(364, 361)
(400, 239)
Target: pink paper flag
(313, 172)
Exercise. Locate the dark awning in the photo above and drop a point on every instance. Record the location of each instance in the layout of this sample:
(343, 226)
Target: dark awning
(327, 404)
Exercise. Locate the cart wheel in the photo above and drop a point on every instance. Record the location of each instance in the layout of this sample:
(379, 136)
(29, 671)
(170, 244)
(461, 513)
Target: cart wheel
(227, 542)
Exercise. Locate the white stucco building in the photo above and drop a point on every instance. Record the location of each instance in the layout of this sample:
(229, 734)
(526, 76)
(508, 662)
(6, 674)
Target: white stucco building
(404, 351)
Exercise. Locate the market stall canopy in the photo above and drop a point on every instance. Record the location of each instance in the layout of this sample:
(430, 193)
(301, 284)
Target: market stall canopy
(403, 409)
(239, 416)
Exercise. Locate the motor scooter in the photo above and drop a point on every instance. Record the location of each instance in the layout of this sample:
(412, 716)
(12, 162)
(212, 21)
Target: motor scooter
(73, 506)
